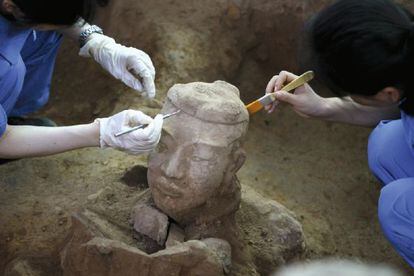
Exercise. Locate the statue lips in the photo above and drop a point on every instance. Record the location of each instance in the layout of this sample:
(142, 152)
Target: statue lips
(167, 188)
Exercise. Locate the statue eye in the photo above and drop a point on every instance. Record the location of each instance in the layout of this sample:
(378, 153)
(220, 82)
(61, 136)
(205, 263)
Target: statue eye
(197, 158)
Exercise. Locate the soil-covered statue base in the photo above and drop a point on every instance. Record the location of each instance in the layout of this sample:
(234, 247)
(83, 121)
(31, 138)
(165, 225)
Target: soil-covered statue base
(265, 236)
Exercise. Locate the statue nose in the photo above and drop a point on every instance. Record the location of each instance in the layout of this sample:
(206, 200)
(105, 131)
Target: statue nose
(173, 167)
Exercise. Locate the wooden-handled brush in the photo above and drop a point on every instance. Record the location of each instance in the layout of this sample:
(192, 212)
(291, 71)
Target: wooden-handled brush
(270, 98)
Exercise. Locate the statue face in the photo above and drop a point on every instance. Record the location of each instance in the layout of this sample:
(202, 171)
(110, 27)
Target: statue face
(189, 164)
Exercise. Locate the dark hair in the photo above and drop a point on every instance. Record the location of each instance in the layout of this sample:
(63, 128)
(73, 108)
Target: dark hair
(362, 46)
(58, 12)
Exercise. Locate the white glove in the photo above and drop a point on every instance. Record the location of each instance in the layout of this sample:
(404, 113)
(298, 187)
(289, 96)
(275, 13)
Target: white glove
(124, 63)
(137, 142)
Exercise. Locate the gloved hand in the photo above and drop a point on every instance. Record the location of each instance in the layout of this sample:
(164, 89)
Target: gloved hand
(136, 142)
(124, 63)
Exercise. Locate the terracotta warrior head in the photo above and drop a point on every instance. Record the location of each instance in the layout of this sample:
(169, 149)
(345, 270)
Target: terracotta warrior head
(192, 173)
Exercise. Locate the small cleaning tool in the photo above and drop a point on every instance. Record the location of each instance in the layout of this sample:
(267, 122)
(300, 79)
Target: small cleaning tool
(143, 126)
(267, 99)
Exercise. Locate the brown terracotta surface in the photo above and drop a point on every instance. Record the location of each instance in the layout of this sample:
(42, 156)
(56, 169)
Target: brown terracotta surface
(150, 222)
(198, 159)
(263, 236)
(89, 253)
(192, 173)
(316, 169)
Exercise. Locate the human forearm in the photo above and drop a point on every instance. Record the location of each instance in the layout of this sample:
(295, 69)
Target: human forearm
(308, 104)
(73, 32)
(31, 141)
(345, 110)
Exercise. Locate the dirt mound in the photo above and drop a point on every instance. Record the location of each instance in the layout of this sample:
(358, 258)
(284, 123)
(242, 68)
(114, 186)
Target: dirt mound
(318, 170)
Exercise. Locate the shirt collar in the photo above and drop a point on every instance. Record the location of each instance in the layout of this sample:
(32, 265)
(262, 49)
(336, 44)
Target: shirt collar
(12, 39)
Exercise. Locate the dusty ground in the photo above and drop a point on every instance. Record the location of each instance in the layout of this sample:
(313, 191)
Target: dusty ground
(316, 169)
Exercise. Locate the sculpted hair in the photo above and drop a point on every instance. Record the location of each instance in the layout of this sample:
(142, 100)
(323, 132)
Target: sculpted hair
(217, 102)
(58, 12)
(362, 46)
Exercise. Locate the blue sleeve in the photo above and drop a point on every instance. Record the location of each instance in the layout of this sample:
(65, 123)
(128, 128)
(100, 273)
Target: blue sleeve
(4, 68)
(3, 120)
(408, 122)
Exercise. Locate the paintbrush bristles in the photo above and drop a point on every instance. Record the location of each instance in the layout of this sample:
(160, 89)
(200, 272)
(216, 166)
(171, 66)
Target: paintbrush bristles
(254, 107)
(268, 99)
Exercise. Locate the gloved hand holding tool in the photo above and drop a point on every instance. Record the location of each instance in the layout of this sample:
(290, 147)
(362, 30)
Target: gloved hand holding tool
(26, 141)
(144, 125)
(134, 142)
(27, 90)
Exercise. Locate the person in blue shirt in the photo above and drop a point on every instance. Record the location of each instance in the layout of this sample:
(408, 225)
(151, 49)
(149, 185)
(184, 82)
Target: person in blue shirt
(30, 34)
(364, 51)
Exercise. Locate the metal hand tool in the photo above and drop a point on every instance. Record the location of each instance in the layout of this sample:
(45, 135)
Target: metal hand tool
(144, 125)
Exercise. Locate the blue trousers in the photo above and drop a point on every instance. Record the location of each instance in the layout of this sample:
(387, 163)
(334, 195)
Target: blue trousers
(391, 159)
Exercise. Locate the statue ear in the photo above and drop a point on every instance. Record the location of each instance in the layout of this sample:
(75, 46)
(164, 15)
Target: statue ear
(230, 179)
(239, 157)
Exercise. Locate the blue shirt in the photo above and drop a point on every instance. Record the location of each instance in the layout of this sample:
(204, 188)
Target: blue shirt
(12, 67)
(26, 65)
(408, 123)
